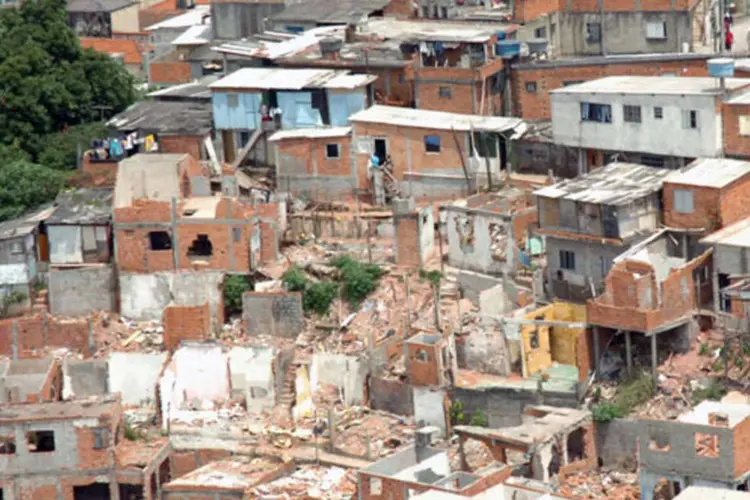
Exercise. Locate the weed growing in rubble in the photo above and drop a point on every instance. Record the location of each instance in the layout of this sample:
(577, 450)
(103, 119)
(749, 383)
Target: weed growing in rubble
(433, 277)
(359, 279)
(318, 297)
(632, 392)
(130, 433)
(457, 412)
(713, 392)
(234, 287)
(704, 350)
(479, 419)
(294, 279)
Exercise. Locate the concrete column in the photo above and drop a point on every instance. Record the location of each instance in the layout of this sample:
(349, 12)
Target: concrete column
(597, 353)
(654, 358)
(175, 240)
(715, 286)
(628, 352)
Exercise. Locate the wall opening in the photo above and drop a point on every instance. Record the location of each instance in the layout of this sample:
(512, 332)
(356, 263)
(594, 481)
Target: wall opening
(376, 486)
(159, 240)
(421, 355)
(554, 462)
(666, 489)
(165, 474)
(95, 491)
(131, 492)
(201, 247)
(7, 445)
(575, 446)
(154, 485)
(658, 441)
(40, 441)
(706, 445)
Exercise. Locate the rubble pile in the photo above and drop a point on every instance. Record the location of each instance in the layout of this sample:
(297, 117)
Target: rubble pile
(601, 484)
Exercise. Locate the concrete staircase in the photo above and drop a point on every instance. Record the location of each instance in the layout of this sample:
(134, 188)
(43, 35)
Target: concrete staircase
(288, 396)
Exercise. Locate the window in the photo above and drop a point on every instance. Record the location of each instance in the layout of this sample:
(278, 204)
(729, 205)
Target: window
(567, 260)
(426, 11)
(237, 232)
(16, 247)
(444, 12)
(591, 112)
(658, 441)
(745, 125)
(421, 356)
(593, 32)
(232, 100)
(445, 92)
(540, 32)
(631, 114)
(572, 82)
(658, 113)
(706, 445)
(376, 486)
(689, 118)
(159, 240)
(656, 30)
(432, 143)
(40, 441)
(332, 151)
(531, 87)
(552, 29)
(101, 438)
(201, 247)
(401, 78)
(683, 201)
(534, 340)
(7, 445)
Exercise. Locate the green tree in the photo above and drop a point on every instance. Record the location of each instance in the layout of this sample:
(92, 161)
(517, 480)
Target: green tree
(25, 185)
(234, 287)
(59, 150)
(47, 81)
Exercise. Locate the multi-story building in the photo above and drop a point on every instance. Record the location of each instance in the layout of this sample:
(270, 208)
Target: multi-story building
(623, 118)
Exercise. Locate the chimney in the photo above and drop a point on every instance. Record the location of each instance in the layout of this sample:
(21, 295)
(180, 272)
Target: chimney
(330, 48)
(349, 33)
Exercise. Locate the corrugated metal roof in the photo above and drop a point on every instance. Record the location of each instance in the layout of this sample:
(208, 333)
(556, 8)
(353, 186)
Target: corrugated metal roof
(98, 5)
(615, 184)
(327, 11)
(737, 234)
(436, 120)
(83, 206)
(310, 133)
(195, 35)
(290, 79)
(26, 223)
(197, 90)
(194, 16)
(710, 172)
(166, 117)
(272, 50)
(435, 31)
(653, 85)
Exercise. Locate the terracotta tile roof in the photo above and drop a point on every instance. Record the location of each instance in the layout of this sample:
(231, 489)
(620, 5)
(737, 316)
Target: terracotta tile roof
(130, 48)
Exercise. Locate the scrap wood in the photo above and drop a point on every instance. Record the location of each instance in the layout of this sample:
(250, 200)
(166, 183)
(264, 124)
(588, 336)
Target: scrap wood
(132, 338)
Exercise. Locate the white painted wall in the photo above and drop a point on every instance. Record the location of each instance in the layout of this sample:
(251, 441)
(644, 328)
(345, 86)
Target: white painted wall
(251, 369)
(428, 406)
(134, 375)
(654, 136)
(345, 372)
(64, 244)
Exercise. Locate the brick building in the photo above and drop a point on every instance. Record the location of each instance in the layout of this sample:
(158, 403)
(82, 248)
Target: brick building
(531, 82)
(588, 27)
(76, 451)
(30, 381)
(430, 154)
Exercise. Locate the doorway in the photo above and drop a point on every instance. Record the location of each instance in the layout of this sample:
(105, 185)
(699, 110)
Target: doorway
(380, 149)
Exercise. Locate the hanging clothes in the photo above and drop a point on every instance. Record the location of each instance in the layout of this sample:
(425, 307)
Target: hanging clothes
(148, 143)
(115, 149)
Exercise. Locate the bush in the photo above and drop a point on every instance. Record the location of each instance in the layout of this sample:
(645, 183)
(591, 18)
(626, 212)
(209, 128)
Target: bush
(457, 413)
(234, 287)
(318, 297)
(359, 279)
(606, 412)
(479, 419)
(294, 279)
(433, 277)
(714, 392)
(130, 433)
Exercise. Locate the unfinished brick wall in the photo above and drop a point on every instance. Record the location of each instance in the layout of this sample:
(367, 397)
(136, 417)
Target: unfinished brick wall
(706, 208)
(528, 10)
(463, 98)
(407, 241)
(187, 144)
(170, 72)
(35, 333)
(521, 223)
(424, 364)
(741, 439)
(310, 154)
(735, 144)
(735, 202)
(184, 461)
(185, 323)
(546, 77)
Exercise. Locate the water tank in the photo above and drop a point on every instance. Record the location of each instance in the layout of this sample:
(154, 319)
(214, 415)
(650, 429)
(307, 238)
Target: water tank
(330, 46)
(537, 45)
(508, 48)
(721, 67)
(501, 35)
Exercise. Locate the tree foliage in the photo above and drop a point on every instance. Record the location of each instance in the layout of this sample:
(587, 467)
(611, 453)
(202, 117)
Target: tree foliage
(24, 185)
(47, 81)
(234, 288)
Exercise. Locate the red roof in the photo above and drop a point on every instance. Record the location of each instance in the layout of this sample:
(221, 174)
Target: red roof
(130, 48)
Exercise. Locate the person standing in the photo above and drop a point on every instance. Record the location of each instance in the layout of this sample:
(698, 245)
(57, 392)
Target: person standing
(729, 40)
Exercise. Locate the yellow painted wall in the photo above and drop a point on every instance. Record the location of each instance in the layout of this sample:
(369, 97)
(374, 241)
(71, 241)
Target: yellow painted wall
(555, 343)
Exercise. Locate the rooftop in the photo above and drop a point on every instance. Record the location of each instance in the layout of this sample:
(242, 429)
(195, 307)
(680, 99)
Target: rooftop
(276, 48)
(236, 474)
(95, 408)
(147, 176)
(705, 492)
(653, 85)
(197, 90)
(737, 234)
(192, 17)
(131, 50)
(436, 120)
(612, 59)
(310, 133)
(433, 31)
(165, 117)
(614, 184)
(291, 79)
(26, 223)
(139, 453)
(198, 34)
(200, 207)
(82, 206)
(98, 5)
(700, 414)
(710, 172)
(325, 11)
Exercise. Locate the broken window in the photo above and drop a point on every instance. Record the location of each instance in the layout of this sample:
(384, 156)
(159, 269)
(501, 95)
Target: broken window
(534, 340)
(718, 419)
(376, 486)
(201, 247)
(101, 438)
(658, 440)
(7, 445)
(498, 241)
(40, 441)
(421, 355)
(706, 445)
(465, 230)
(575, 446)
(258, 393)
(237, 234)
(159, 240)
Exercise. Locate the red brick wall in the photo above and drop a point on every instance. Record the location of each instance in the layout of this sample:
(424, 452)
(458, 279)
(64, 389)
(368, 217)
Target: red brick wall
(706, 204)
(102, 173)
(528, 10)
(741, 433)
(536, 105)
(521, 223)
(735, 201)
(734, 143)
(170, 72)
(307, 150)
(188, 144)
(461, 100)
(407, 242)
(183, 323)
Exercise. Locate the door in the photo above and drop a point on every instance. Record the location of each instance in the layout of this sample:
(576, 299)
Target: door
(381, 150)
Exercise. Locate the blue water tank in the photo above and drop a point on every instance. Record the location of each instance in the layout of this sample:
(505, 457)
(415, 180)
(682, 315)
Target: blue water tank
(501, 35)
(721, 68)
(508, 48)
